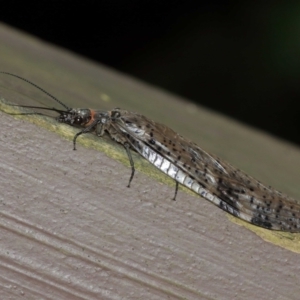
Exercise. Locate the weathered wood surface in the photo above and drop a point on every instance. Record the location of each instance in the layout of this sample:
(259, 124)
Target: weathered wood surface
(70, 229)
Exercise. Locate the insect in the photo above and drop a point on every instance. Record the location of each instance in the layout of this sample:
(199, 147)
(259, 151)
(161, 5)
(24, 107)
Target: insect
(215, 180)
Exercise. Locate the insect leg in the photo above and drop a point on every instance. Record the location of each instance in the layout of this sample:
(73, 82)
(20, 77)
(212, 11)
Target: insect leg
(126, 146)
(85, 130)
(176, 190)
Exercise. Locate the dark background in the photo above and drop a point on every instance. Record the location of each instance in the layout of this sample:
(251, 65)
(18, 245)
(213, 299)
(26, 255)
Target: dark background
(236, 57)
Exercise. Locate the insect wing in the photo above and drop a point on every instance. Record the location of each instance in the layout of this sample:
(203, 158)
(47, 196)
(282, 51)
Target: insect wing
(236, 192)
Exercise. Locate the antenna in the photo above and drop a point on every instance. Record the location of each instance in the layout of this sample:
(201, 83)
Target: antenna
(36, 86)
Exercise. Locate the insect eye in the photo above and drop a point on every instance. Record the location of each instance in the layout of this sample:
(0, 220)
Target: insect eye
(65, 118)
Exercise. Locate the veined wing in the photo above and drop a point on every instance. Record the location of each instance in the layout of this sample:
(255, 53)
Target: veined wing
(244, 196)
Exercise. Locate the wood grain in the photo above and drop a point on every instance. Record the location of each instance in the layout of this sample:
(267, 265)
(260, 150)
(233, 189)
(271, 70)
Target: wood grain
(69, 227)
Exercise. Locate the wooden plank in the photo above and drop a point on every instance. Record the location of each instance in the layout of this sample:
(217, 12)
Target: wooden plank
(70, 229)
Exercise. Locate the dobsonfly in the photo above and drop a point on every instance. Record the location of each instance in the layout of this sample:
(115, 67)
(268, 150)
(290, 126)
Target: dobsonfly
(215, 180)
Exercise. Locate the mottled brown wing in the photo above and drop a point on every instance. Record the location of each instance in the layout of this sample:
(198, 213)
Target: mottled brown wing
(263, 205)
